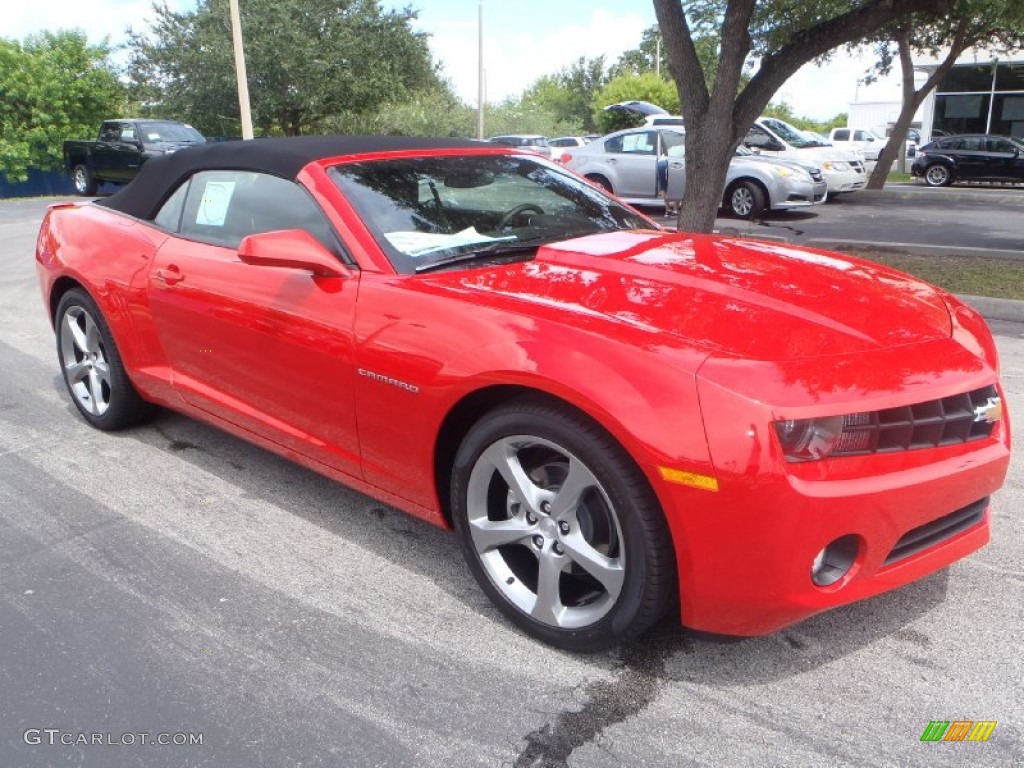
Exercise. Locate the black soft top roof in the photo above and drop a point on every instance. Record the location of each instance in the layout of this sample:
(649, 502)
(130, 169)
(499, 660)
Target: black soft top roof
(284, 157)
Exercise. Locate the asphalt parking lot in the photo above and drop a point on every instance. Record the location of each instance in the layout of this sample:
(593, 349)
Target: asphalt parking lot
(174, 580)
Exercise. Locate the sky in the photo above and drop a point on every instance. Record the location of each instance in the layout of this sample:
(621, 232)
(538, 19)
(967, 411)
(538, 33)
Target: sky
(523, 40)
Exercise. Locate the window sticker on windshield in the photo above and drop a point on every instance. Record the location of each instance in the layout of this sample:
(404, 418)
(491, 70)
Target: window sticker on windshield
(422, 243)
(213, 208)
(153, 136)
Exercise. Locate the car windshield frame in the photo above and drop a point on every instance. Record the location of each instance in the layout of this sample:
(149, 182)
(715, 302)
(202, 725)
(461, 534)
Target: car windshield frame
(428, 209)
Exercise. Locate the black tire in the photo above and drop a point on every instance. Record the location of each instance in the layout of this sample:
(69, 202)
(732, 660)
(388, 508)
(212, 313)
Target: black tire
(745, 199)
(602, 182)
(605, 550)
(91, 365)
(82, 178)
(937, 175)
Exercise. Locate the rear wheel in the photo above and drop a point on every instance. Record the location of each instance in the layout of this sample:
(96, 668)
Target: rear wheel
(92, 367)
(746, 200)
(602, 182)
(84, 182)
(560, 528)
(937, 176)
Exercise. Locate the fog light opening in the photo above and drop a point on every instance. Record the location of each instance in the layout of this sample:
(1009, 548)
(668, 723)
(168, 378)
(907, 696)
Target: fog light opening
(834, 561)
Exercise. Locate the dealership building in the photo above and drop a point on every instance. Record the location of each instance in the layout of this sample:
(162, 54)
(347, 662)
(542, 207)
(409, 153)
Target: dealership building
(974, 97)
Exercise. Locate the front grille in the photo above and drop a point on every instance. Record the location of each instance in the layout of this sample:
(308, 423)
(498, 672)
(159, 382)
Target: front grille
(930, 534)
(948, 421)
(858, 166)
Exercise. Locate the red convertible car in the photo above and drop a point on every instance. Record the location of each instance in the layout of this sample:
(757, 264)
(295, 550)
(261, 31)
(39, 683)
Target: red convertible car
(619, 422)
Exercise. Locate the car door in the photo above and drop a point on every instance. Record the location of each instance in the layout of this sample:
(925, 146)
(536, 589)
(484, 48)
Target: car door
(972, 159)
(1005, 160)
(634, 157)
(268, 349)
(106, 153)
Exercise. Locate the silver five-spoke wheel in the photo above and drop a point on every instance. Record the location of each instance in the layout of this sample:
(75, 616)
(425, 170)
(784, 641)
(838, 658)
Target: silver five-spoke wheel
(85, 361)
(95, 376)
(545, 531)
(559, 526)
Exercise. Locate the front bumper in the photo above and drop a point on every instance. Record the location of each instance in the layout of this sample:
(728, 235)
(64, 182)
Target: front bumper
(800, 194)
(745, 551)
(845, 181)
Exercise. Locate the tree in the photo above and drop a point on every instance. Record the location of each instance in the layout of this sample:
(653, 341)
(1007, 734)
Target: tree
(308, 60)
(996, 25)
(566, 96)
(629, 87)
(781, 36)
(53, 87)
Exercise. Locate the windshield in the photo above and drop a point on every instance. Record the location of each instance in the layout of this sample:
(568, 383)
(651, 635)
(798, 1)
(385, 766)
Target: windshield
(788, 133)
(153, 132)
(426, 210)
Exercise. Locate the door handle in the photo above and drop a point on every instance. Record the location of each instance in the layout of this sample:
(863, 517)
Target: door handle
(170, 276)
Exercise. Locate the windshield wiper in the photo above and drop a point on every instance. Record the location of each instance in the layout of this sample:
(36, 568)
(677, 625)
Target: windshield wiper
(482, 252)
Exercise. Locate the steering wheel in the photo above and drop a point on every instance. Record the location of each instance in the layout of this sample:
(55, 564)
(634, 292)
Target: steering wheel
(519, 209)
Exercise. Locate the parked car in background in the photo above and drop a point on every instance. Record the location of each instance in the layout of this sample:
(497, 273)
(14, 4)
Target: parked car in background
(620, 423)
(121, 148)
(970, 157)
(530, 142)
(625, 163)
(564, 143)
(869, 143)
(843, 169)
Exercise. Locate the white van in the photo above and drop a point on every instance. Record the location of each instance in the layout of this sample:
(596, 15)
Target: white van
(843, 169)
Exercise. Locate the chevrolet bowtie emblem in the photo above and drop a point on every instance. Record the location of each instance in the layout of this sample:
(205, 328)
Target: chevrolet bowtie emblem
(990, 412)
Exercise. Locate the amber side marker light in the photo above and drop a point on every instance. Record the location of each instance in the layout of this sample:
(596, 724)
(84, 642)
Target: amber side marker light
(692, 479)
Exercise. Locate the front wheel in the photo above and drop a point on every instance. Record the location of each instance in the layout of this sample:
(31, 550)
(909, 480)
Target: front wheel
(937, 176)
(83, 180)
(92, 367)
(560, 528)
(746, 200)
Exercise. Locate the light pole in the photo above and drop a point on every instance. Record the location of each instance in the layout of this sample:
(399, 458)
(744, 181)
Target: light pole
(243, 80)
(480, 74)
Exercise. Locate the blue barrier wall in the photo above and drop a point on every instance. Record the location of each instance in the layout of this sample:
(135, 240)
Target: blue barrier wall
(39, 184)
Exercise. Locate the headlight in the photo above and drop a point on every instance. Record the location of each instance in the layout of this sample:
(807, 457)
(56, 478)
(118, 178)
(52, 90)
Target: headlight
(808, 439)
(796, 173)
(836, 165)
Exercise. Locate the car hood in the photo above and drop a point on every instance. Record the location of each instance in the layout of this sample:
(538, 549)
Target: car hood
(732, 297)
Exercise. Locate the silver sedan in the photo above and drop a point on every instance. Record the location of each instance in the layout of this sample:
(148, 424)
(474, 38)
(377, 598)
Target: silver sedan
(625, 163)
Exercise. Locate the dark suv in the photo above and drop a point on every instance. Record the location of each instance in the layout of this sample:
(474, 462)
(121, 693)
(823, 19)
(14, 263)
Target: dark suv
(975, 157)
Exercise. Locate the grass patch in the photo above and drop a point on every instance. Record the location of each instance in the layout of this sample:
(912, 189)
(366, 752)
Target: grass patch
(976, 275)
(897, 176)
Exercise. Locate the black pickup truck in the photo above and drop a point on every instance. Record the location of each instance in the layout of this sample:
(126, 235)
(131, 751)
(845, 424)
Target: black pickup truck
(121, 148)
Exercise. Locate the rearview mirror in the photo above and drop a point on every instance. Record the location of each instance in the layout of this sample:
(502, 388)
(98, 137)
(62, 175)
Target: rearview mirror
(291, 249)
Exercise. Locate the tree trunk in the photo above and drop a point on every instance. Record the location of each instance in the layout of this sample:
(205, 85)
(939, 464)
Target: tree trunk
(705, 176)
(716, 118)
(912, 99)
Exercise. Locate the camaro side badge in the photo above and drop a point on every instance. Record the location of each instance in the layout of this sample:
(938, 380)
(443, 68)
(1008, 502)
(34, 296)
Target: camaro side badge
(393, 382)
(990, 412)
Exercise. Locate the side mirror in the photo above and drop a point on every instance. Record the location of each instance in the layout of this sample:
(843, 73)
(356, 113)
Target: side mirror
(291, 249)
(774, 145)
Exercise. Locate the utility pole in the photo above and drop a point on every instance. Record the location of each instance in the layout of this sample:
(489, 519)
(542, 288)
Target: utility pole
(480, 74)
(240, 75)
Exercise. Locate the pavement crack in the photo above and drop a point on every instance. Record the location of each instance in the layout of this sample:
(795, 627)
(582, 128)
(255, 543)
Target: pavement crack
(607, 703)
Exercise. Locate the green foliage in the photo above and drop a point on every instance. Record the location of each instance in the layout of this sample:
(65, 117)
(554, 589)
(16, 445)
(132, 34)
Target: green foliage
(516, 115)
(426, 113)
(310, 63)
(629, 87)
(783, 111)
(54, 86)
(565, 97)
